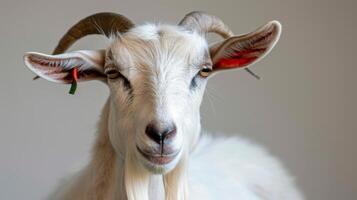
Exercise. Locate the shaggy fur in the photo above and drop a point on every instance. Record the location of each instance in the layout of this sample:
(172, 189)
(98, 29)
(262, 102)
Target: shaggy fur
(250, 173)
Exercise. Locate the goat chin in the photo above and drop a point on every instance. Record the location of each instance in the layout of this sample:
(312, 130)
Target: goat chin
(159, 169)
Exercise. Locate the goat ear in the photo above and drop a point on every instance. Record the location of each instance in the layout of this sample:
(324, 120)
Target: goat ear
(57, 68)
(241, 51)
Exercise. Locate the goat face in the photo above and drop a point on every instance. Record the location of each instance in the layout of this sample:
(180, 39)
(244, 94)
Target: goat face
(156, 75)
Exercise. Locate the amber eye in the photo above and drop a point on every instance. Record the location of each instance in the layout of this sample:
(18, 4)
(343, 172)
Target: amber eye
(112, 73)
(205, 71)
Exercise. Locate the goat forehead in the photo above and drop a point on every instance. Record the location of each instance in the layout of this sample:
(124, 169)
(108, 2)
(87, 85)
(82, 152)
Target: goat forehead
(160, 47)
(151, 32)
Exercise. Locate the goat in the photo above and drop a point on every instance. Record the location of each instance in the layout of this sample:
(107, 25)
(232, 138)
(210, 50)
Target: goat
(149, 143)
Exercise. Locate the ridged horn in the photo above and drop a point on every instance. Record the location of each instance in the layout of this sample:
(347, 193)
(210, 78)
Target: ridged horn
(100, 23)
(205, 23)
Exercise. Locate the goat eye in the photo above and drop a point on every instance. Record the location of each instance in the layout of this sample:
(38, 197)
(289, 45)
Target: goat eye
(204, 72)
(112, 73)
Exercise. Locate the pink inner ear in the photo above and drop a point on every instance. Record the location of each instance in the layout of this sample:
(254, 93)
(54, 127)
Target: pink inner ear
(50, 68)
(239, 59)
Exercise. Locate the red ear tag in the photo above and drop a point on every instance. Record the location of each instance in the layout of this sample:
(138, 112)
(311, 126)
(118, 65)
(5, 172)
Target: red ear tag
(74, 73)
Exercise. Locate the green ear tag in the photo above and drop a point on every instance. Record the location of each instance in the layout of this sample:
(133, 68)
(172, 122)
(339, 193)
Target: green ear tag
(73, 88)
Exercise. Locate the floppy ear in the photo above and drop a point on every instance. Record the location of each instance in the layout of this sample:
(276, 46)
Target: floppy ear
(57, 68)
(241, 51)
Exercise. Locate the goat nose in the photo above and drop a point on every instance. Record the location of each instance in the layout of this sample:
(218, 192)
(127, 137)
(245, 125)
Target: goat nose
(159, 136)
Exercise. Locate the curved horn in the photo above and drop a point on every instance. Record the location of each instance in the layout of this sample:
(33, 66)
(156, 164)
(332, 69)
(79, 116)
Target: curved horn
(100, 23)
(205, 23)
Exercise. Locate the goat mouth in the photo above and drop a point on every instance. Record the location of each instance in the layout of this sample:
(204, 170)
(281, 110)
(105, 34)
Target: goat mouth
(158, 159)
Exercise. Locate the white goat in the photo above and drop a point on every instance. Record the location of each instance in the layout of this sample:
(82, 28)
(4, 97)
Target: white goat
(150, 125)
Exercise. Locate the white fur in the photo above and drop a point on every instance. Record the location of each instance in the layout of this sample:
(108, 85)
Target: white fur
(238, 169)
(160, 62)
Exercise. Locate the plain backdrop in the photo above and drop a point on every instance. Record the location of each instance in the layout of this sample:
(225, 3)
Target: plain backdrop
(303, 109)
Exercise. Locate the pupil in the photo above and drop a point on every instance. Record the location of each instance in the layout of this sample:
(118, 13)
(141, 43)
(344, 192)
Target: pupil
(206, 70)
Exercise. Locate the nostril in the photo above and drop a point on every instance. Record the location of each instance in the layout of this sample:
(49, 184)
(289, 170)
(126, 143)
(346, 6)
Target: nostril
(169, 133)
(152, 132)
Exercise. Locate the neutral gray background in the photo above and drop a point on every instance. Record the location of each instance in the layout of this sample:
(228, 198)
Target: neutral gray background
(303, 109)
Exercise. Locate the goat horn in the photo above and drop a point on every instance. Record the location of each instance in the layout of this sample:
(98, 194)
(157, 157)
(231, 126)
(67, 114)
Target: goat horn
(100, 23)
(205, 23)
